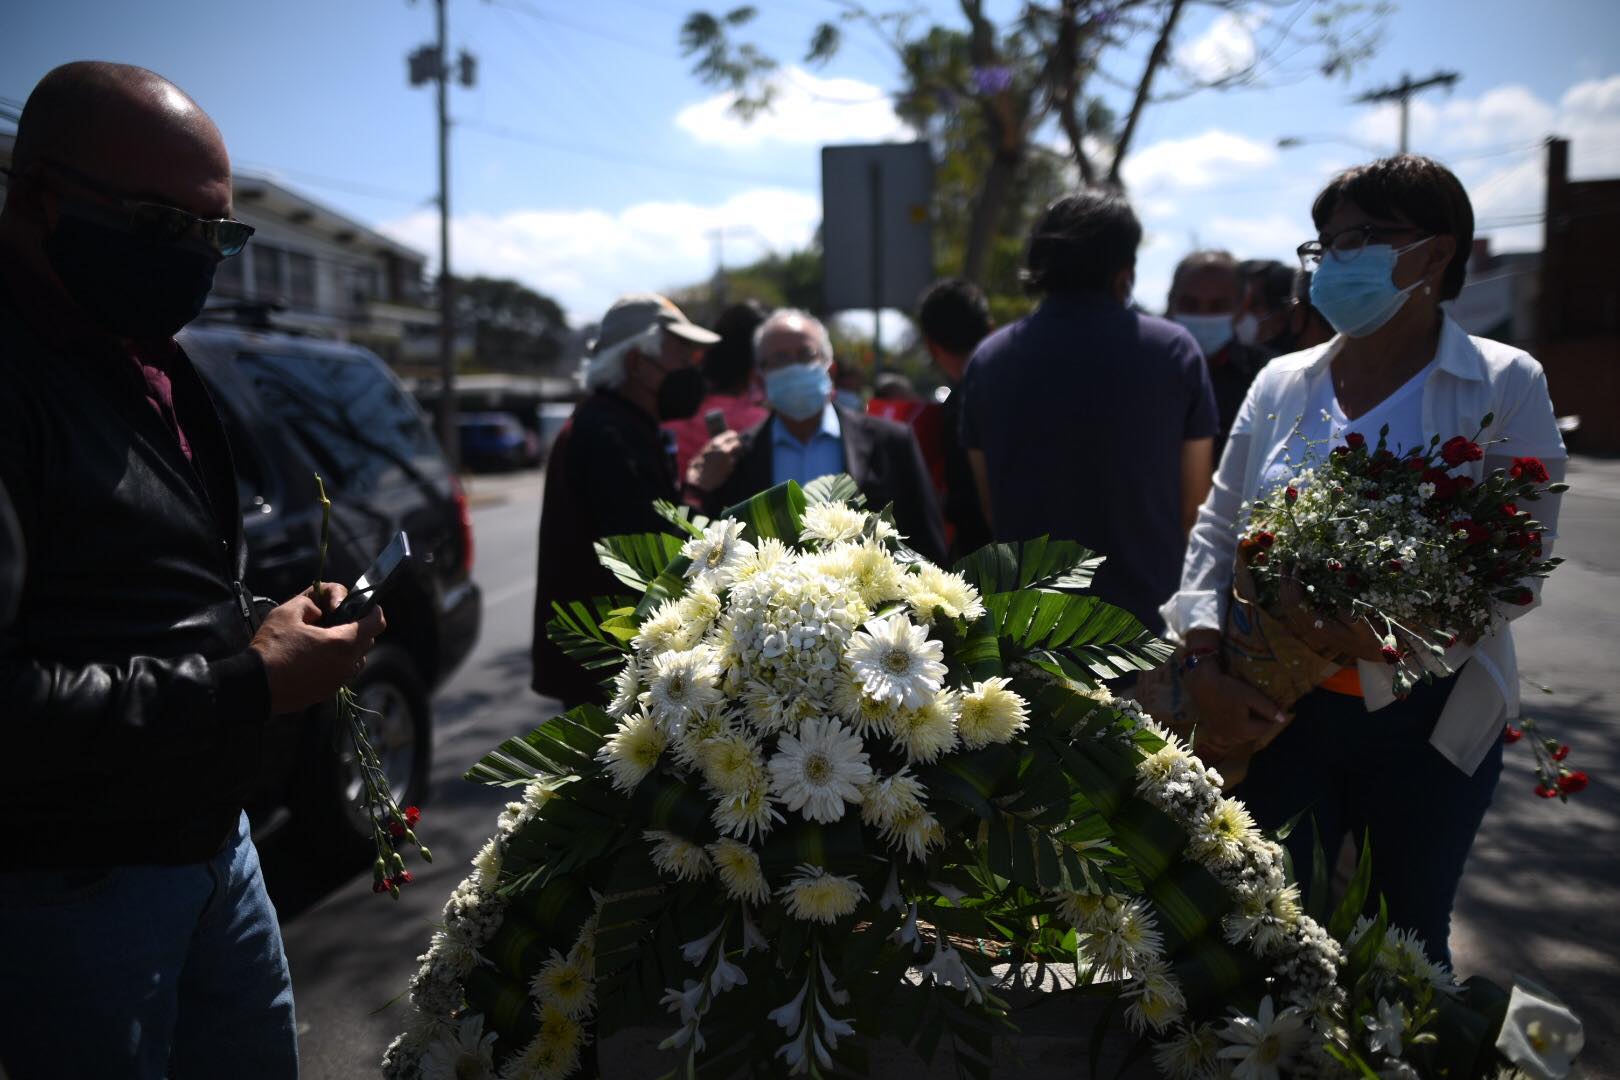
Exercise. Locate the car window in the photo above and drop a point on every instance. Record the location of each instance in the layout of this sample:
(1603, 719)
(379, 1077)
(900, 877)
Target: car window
(252, 479)
(360, 428)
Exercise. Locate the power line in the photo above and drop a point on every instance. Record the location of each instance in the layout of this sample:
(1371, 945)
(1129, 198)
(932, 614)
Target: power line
(619, 157)
(584, 28)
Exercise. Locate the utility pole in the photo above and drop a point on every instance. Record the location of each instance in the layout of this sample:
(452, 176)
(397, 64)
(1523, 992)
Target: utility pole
(431, 63)
(1403, 92)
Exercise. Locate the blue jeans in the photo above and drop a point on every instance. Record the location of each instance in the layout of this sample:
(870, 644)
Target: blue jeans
(145, 972)
(1374, 773)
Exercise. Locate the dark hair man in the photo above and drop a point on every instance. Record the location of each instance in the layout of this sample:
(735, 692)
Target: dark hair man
(1087, 420)
(136, 681)
(954, 316)
(808, 436)
(1262, 318)
(610, 463)
(1206, 293)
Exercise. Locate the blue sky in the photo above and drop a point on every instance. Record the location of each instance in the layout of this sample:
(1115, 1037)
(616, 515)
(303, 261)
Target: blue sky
(588, 161)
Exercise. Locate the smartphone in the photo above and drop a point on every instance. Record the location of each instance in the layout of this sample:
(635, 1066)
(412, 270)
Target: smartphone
(715, 421)
(372, 585)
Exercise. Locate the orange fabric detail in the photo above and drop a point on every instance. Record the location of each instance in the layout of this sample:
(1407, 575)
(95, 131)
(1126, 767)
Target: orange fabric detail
(1347, 680)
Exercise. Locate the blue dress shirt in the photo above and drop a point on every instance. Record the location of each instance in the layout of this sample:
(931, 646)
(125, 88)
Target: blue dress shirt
(823, 455)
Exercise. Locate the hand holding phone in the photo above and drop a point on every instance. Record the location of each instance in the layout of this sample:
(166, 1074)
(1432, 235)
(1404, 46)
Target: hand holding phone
(372, 585)
(715, 421)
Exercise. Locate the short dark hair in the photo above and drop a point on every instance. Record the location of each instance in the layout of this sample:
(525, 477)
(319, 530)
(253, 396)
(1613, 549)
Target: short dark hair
(1413, 188)
(955, 315)
(1273, 280)
(1081, 242)
(1207, 259)
(729, 361)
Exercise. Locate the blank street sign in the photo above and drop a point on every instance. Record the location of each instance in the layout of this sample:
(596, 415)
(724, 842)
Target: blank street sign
(875, 232)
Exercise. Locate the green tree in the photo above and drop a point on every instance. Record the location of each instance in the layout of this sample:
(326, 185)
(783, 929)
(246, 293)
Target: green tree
(514, 328)
(990, 89)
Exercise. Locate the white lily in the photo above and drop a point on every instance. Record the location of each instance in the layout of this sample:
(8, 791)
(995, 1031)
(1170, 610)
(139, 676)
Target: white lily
(830, 984)
(687, 1034)
(907, 934)
(693, 952)
(726, 976)
(752, 938)
(684, 1001)
(1539, 1034)
(796, 1051)
(832, 1027)
(946, 967)
(891, 898)
(1386, 1028)
(787, 1017)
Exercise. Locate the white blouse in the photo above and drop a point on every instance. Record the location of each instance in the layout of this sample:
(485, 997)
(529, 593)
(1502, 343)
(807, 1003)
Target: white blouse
(1469, 378)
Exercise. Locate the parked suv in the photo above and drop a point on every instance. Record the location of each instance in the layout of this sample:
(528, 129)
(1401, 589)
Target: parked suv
(294, 407)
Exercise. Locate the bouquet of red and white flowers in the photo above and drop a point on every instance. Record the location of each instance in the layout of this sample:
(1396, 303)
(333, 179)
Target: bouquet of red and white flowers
(1396, 540)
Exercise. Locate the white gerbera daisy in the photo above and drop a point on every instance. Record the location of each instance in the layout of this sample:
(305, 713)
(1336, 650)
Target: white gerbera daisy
(565, 985)
(718, 553)
(866, 714)
(632, 750)
(681, 684)
(820, 770)
(464, 1052)
(1263, 1046)
(896, 661)
(677, 855)
(990, 714)
(927, 732)
(1188, 1054)
(832, 522)
(666, 628)
(916, 833)
(930, 591)
(814, 895)
(738, 866)
(886, 800)
(748, 816)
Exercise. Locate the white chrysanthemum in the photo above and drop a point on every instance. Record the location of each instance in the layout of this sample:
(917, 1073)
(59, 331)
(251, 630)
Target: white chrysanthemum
(718, 553)
(626, 691)
(564, 984)
(924, 734)
(487, 865)
(896, 661)
(866, 714)
(1079, 909)
(681, 684)
(731, 764)
(832, 522)
(886, 800)
(930, 590)
(916, 833)
(464, 1052)
(779, 707)
(677, 855)
(1121, 936)
(769, 553)
(1158, 766)
(700, 606)
(665, 629)
(738, 867)
(749, 815)
(814, 895)
(632, 751)
(455, 951)
(543, 1059)
(1222, 835)
(702, 727)
(820, 770)
(868, 569)
(990, 713)
(1155, 997)
(1189, 1054)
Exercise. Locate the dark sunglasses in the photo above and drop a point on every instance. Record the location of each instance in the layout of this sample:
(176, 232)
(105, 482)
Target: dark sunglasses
(155, 222)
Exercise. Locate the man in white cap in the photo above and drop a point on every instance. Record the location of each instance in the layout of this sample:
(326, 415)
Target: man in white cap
(610, 463)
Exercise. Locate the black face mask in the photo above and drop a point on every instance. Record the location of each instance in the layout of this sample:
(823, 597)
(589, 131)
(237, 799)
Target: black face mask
(680, 394)
(132, 287)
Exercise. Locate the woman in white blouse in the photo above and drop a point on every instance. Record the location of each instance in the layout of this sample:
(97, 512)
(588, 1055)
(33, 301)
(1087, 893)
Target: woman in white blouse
(1416, 774)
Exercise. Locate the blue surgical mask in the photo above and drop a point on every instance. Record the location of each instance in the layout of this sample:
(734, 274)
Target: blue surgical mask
(1212, 332)
(798, 391)
(1358, 297)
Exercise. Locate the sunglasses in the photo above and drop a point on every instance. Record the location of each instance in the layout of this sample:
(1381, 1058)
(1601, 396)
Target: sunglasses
(155, 222)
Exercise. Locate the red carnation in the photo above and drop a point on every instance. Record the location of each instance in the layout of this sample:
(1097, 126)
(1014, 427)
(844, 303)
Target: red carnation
(1529, 468)
(1416, 464)
(1291, 493)
(1561, 753)
(1259, 558)
(1355, 440)
(1461, 484)
(1477, 533)
(1546, 792)
(1340, 451)
(1571, 782)
(1457, 450)
(380, 886)
(1511, 734)
(1335, 565)
(403, 878)
(1391, 654)
(1264, 539)
(412, 816)
(396, 830)
(1509, 510)
(1395, 565)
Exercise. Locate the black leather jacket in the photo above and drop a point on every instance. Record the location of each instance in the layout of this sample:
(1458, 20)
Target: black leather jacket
(132, 712)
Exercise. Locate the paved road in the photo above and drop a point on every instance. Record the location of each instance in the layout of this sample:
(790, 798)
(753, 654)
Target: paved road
(1539, 897)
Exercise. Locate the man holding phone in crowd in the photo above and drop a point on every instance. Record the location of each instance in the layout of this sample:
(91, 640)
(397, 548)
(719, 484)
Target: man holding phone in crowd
(137, 676)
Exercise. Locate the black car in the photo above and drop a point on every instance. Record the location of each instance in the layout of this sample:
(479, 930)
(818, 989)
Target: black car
(294, 407)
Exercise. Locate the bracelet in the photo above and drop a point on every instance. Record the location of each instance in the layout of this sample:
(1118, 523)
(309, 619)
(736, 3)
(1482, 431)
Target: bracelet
(1194, 657)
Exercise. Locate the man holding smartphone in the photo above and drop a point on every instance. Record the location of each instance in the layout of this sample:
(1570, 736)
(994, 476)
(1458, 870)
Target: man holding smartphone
(137, 676)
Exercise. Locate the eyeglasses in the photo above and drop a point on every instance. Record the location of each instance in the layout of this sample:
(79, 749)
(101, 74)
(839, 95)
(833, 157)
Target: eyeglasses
(155, 222)
(1347, 244)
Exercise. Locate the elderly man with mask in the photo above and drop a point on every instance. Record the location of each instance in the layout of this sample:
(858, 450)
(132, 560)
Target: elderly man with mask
(137, 676)
(1206, 293)
(808, 436)
(610, 463)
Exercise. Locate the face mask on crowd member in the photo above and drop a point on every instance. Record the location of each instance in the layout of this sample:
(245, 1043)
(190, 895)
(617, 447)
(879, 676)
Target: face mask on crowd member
(674, 377)
(141, 270)
(1204, 298)
(1354, 286)
(648, 350)
(794, 363)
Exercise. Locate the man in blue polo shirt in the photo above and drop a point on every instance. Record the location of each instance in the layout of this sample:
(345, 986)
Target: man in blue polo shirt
(1087, 420)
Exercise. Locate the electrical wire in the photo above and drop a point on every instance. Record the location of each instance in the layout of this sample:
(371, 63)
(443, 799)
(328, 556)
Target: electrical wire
(622, 158)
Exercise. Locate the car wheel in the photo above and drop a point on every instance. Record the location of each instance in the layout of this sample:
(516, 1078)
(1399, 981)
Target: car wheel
(330, 805)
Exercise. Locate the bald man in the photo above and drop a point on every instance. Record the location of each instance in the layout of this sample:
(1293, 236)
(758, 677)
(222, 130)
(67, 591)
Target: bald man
(136, 938)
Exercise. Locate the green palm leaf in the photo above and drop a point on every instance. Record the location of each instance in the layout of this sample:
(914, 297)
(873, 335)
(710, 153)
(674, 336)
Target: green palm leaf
(1042, 563)
(565, 745)
(775, 512)
(594, 633)
(834, 487)
(637, 559)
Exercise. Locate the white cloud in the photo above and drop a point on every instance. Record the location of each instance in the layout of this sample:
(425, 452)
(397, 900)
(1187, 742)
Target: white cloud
(807, 110)
(1224, 49)
(1505, 114)
(1197, 161)
(585, 258)
(1274, 236)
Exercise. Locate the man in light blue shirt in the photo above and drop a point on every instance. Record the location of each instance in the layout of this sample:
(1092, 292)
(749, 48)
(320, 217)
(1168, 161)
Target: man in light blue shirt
(793, 458)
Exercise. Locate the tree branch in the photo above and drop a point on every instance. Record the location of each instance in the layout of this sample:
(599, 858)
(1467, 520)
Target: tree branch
(1144, 90)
